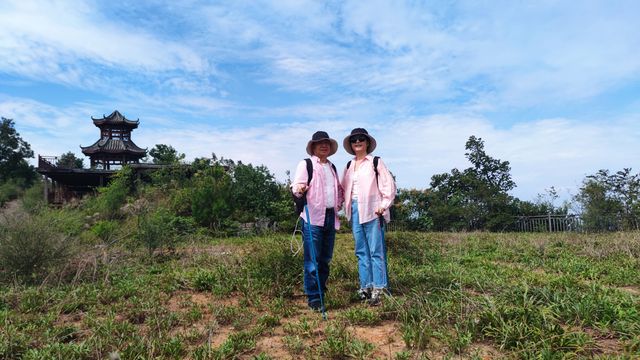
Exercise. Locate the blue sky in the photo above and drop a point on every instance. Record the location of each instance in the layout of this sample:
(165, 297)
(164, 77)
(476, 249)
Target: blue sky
(551, 86)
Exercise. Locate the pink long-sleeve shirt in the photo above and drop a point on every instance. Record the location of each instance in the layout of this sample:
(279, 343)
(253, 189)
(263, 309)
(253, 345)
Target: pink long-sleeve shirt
(372, 195)
(316, 197)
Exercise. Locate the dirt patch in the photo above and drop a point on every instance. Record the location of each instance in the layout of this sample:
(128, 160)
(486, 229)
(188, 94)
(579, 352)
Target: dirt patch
(181, 300)
(633, 290)
(386, 337)
(482, 351)
(605, 343)
(273, 345)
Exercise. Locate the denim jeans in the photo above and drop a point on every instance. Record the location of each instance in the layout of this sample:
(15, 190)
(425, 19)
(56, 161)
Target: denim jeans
(323, 241)
(371, 251)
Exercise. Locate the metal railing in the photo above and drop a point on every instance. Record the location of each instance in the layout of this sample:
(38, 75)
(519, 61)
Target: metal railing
(549, 223)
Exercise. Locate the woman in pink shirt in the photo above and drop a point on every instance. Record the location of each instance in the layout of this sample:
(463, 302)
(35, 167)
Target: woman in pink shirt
(369, 191)
(324, 200)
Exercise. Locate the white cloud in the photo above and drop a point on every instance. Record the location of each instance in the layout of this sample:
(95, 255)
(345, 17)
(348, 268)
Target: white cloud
(337, 65)
(543, 153)
(46, 38)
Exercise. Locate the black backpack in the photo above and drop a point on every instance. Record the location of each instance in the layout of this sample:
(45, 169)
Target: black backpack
(300, 202)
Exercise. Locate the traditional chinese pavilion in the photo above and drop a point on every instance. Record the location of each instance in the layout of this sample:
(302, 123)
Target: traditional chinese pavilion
(113, 150)
(115, 147)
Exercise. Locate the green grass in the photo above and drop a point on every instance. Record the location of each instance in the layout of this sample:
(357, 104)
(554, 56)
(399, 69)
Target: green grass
(471, 295)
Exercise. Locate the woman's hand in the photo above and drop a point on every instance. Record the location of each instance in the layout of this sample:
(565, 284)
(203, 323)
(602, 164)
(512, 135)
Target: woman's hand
(301, 188)
(380, 211)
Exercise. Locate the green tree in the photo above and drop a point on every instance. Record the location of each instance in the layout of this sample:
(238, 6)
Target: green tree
(476, 198)
(255, 193)
(412, 207)
(211, 197)
(165, 154)
(14, 152)
(610, 201)
(70, 161)
(544, 204)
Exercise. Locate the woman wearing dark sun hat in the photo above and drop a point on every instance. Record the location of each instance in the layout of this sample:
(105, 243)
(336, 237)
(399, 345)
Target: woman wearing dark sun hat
(324, 199)
(369, 191)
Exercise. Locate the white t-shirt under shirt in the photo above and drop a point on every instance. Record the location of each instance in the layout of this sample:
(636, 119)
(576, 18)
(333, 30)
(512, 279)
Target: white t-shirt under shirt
(354, 186)
(329, 186)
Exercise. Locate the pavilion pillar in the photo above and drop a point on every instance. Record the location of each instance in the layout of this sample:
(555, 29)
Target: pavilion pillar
(46, 190)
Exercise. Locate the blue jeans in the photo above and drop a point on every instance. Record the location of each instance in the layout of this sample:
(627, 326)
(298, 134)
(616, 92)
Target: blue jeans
(323, 240)
(371, 251)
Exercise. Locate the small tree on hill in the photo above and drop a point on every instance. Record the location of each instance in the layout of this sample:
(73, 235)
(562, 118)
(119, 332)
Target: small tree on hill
(70, 161)
(165, 154)
(476, 198)
(211, 197)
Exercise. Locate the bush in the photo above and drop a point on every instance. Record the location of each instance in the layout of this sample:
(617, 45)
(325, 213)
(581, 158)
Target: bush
(105, 230)
(33, 198)
(9, 191)
(210, 198)
(32, 247)
(113, 196)
(155, 230)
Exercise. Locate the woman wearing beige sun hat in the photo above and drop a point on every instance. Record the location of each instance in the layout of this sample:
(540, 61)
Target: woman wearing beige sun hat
(369, 191)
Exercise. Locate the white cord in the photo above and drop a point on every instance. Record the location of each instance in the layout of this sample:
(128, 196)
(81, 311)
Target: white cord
(293, 239)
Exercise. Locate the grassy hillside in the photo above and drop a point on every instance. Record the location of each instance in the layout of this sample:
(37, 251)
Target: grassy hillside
(469, 295)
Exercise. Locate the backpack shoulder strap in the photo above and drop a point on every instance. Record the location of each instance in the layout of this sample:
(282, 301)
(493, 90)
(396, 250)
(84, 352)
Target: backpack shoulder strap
(348, 164)
(375, 167)
(375, 164)
(309, 170)
(334, 169)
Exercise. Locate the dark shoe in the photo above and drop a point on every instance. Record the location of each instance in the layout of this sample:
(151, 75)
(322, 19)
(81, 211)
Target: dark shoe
(316, 306)
(376, 297)
(364, 294)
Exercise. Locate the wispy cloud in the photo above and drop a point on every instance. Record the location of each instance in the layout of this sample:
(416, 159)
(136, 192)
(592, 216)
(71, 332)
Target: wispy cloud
(70, 43)
(252, 80)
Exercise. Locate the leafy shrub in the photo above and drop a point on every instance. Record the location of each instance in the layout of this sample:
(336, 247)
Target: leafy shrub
(180, 201)
(181, 225)
(155, 231)
(105, 230)
(33, 198)
(9, 191)
(112, 197)
(31, 247)
(210, 199)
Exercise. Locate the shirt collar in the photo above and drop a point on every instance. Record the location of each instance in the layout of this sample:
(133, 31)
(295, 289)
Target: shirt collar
(317, 159)
(368, 157)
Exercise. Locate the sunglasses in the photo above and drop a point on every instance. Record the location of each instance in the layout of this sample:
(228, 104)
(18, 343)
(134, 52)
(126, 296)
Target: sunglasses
(357, 138)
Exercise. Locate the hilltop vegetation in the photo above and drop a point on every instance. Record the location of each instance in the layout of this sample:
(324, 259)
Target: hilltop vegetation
(475, 295)
(197, 262)
(135, 271)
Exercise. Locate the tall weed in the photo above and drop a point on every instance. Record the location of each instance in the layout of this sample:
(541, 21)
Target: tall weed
(33, 198)
(31, 247)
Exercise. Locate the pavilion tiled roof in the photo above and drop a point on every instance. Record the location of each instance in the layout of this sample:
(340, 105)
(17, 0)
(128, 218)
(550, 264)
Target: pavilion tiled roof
(115, 118)
(114, 146)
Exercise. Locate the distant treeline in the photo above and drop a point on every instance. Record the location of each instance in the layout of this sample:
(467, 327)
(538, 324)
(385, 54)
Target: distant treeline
(224, 194)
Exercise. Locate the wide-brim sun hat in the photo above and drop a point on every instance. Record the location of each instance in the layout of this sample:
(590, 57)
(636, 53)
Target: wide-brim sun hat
(359, 131)
(321, 136)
